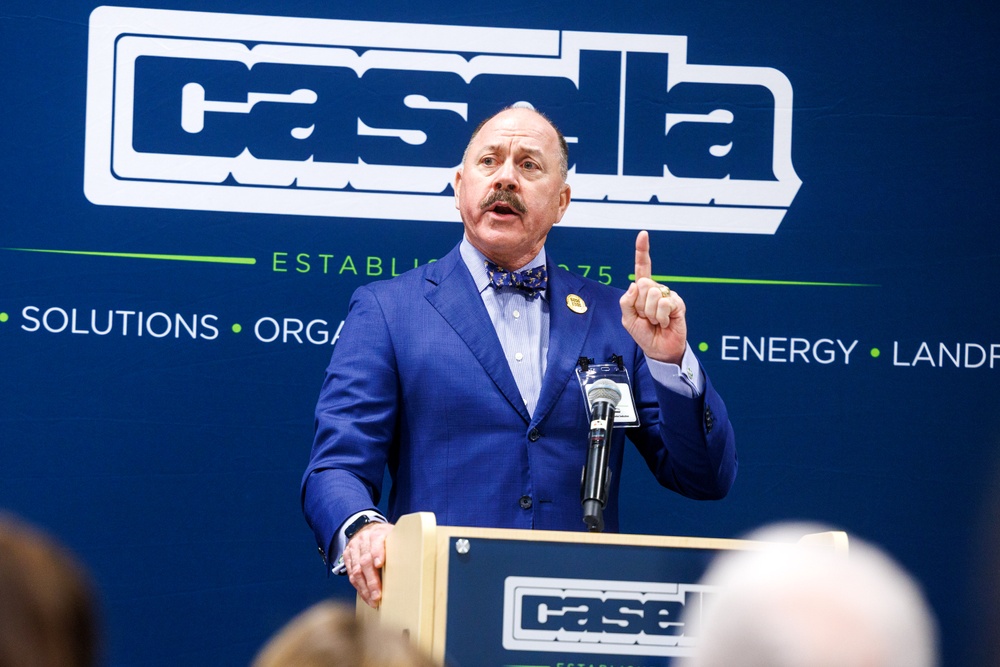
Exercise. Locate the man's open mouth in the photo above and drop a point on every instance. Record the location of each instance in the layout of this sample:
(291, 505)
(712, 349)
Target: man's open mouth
(504, 202)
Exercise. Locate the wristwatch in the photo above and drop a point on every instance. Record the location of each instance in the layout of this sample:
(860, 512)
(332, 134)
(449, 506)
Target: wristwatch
(356, 525)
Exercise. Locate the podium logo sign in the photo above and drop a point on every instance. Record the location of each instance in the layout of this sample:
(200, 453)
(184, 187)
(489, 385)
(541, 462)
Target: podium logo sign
(265, 114)
(605, 617)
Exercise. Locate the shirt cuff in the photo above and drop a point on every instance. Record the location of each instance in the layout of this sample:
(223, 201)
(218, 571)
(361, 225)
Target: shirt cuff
(686, 379)
(340, 539)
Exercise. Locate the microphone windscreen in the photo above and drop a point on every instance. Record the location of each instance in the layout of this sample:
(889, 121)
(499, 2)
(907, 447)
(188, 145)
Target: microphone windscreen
(604, 390)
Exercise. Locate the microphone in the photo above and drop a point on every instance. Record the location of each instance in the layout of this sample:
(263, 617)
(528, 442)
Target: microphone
(603, 396)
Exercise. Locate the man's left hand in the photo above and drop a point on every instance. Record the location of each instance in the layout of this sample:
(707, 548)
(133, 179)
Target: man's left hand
(653, 314)
(364, 557)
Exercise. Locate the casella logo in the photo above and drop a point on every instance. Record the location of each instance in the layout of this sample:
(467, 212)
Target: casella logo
(603, 617)
(232, 112)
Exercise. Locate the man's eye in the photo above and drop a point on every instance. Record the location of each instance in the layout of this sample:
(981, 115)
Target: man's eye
(530, 165)
(488, 161)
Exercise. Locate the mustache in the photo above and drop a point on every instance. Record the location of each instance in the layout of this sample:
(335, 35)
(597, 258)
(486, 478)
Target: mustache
(507, 197)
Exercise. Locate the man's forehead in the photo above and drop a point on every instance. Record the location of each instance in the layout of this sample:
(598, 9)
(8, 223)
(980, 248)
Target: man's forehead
(518, 124)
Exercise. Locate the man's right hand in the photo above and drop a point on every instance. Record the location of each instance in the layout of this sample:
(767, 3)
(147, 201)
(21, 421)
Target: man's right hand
(652, 313)
(364, 557)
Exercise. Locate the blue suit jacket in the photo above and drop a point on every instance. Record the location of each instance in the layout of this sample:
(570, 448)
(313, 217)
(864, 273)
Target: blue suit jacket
(418, 382)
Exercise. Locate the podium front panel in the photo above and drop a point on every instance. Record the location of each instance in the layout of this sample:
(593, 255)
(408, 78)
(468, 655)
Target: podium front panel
(558, 604)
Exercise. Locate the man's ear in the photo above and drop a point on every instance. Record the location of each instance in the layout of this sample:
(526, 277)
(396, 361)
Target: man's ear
(564, 199)
(458, 182)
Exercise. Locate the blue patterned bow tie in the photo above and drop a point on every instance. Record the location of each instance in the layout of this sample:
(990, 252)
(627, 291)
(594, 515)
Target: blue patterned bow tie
(531, 281)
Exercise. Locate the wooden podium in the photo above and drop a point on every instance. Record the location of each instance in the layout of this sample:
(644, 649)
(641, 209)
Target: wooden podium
(485, 597)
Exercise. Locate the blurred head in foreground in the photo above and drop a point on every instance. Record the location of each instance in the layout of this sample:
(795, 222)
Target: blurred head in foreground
(808, 606)
(329, 635)
(47, 612)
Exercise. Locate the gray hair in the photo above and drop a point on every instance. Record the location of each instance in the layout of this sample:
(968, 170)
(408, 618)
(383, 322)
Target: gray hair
(806, 606)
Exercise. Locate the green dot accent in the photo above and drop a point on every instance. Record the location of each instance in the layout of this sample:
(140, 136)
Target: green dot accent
(703, 347)
(237, 328)
(875, 352)
(4, 317)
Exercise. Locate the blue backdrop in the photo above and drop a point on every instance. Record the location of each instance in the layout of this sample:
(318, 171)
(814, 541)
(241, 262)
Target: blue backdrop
(175, 261)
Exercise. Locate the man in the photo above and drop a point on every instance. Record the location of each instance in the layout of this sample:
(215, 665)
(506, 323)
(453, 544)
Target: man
(330, 634)
(467, 390)
(811, 606)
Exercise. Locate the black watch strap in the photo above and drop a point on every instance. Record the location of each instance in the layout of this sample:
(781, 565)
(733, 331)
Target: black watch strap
(356, 525)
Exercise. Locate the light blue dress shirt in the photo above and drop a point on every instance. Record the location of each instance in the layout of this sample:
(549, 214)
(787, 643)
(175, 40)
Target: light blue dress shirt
(522, 326)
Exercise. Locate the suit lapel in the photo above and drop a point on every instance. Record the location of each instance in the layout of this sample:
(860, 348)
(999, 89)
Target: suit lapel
(567, 332)
(452, 292)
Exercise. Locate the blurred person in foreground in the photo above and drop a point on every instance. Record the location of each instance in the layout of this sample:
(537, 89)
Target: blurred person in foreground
(810, 606)
(47, 610)
(329, 634)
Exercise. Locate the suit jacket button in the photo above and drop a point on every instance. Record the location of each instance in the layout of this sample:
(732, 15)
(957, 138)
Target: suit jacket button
(525, 502)
(534, 435)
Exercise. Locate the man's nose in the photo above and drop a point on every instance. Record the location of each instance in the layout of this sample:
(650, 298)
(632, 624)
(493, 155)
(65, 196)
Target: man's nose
(506, 177)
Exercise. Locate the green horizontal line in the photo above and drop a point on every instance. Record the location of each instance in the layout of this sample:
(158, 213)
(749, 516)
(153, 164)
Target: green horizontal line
(747, 281)
(139, 255)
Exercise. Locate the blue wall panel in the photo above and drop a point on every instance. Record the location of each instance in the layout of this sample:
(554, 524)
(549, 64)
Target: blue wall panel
(170, 462)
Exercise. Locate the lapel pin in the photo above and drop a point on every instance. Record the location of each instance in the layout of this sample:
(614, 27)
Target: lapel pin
(576, 304)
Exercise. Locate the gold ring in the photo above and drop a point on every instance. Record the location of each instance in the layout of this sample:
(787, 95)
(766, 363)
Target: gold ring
(664, 290)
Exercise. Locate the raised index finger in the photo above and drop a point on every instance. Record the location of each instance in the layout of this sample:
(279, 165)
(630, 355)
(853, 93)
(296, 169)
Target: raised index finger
(643, 265)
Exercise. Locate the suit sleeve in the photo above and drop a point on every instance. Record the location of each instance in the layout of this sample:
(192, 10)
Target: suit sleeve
(688, 443)
(356, 422)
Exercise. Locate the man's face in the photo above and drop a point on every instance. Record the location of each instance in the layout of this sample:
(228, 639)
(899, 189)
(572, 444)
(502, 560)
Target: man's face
(510, 189)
